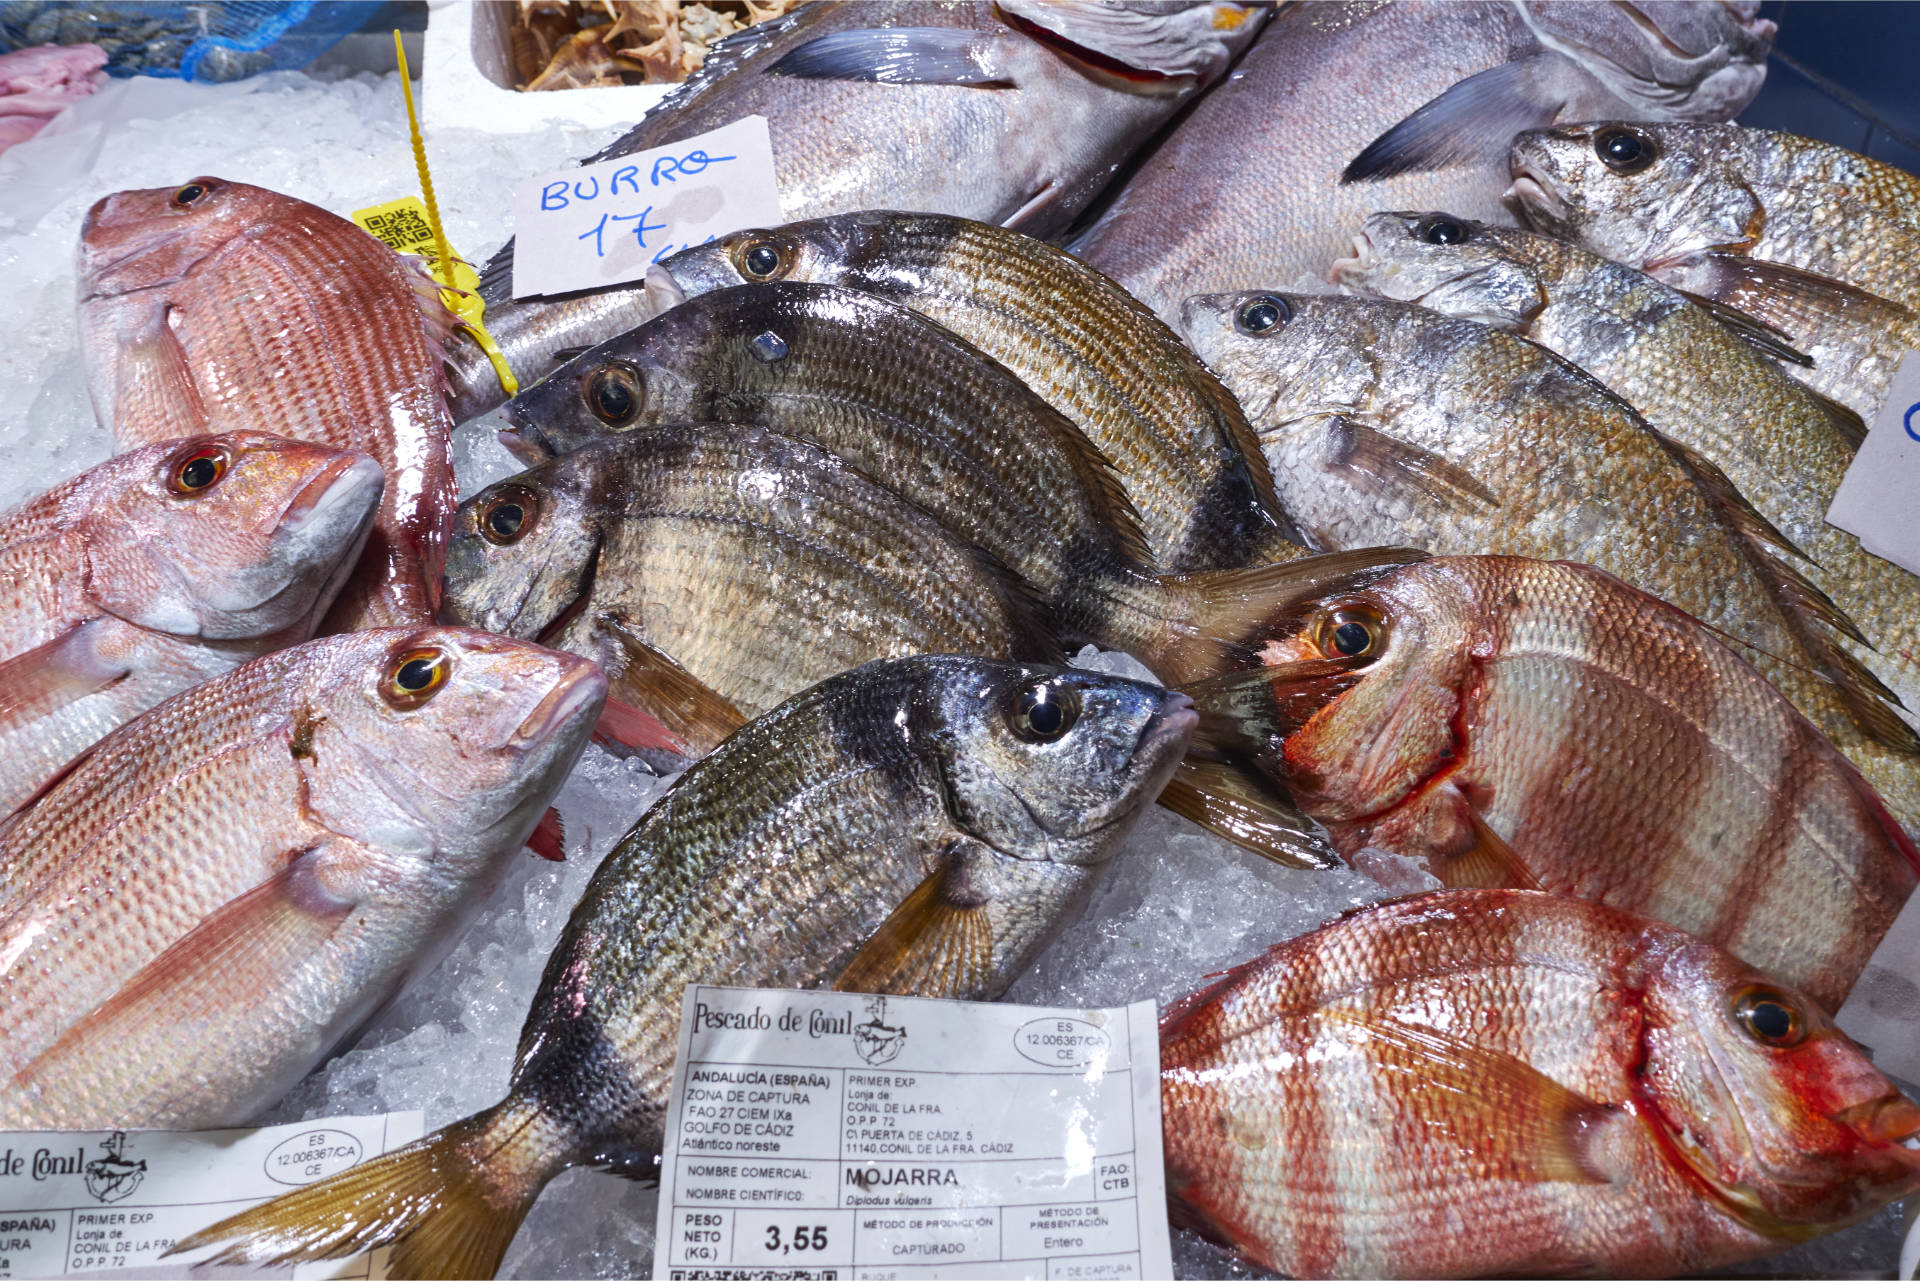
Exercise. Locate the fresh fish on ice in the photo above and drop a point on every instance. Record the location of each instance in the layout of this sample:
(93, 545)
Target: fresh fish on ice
(918, 826)
(222, 888)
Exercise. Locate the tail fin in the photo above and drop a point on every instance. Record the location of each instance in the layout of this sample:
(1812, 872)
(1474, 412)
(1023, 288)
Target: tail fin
(448, 1204)
(1217, 621)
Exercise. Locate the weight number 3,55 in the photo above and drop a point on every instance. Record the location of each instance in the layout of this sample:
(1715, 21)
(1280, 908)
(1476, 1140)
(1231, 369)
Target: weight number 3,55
(804, 1238)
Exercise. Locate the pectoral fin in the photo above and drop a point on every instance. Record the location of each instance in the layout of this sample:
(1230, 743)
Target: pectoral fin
(1757, 334)
(1380, 465)
(899, 56)
(1475, 119)
(206, 976)
(653, 684)
(1488, 863)
(1230, 802)
(938, 942)
(154, 396)
(1469, 1092)
(48, 677)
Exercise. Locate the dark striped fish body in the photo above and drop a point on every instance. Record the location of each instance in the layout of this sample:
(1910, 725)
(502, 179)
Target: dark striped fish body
(916, 826)
(1695, 381)
(934, 420)
(1175, 436)
(217, 306)
(1016, 113)
(1817, 242)
(1543, 725)
(1391, 423)
(1504, 1083)
(753, 563)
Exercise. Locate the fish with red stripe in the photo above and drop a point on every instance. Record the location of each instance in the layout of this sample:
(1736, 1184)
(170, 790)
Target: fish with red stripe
(1504, 1082)
(1543, 725)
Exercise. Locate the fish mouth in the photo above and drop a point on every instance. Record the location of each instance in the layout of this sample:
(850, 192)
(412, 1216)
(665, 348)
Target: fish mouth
(581, 688)
(1891, 1121)
(349, 480)
(1348, 272)
(526, 443)
(1536, 204)
(661, 291)
(1176, 720)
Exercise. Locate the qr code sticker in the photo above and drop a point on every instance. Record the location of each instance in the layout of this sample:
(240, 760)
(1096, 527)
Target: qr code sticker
(400, 228)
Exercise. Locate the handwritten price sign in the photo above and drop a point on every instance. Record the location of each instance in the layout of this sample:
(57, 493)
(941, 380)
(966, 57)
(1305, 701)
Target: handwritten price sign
(606, 223)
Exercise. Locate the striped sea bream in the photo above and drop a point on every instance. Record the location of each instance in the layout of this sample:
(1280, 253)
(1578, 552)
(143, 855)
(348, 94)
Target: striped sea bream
(1543, 725)
(216, 306)
(1508, 1083)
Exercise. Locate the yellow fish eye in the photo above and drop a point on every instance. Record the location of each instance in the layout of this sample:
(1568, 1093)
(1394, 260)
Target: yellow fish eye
(416, 676)
(1770, 1017)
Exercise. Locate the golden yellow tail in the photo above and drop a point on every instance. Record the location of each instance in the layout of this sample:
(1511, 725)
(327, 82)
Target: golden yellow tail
(448, 1205)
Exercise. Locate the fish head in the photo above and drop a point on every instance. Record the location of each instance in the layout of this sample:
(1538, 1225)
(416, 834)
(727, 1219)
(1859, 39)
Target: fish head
(141, 239)
(1641, 194)
(1356, 699)
(1752, 1089)
(1143, 46)
(439, 742)
(521, 558)
(645, 377)
(1285, 355)
(876, 251)
(1666, 59)
(1050, 763)
(1493, 275)
(229, 536)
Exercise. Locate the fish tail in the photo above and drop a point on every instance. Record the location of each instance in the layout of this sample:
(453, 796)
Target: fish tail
(448, 1204)
(1216, 621)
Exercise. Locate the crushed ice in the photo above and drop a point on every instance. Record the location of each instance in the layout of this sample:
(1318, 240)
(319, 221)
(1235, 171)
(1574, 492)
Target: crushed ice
(1175, 905)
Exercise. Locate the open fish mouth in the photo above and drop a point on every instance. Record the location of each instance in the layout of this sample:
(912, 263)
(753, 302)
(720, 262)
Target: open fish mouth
(1892, 1120)
(1534, 202)
(1363, 259)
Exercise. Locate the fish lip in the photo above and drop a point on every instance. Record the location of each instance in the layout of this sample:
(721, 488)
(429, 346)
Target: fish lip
(1528, 197)
(1363, 259)
(1176, 720)
(341, 481)
(661, 291)
(1892, 1120)
(582, 685)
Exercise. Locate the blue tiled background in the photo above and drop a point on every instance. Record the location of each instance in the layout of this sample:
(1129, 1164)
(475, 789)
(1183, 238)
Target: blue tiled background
(1843, 71)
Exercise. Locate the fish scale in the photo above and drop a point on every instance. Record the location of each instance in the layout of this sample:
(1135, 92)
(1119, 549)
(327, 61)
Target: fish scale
(889, 830)
(1619, 751)
(1390, 423)
(1457, 1084)
(1176, 438)
(1692, 377)
(248, 308)
(262, 859)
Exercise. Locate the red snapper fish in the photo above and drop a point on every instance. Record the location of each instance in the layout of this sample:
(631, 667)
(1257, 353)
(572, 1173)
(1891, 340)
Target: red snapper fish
(216, 305)
(159, 569)
(1506, 1083)
(1542, 725)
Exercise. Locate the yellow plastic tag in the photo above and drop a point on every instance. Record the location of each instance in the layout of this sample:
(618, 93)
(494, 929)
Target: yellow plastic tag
(401, 225)
(412, 226)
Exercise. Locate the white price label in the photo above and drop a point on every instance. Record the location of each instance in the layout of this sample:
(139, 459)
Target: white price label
(77, 1202)
(829, 1135)
(1876, 500)
(606, 223)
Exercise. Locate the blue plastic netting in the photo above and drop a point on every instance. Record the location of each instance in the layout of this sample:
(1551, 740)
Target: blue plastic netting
(209, 41)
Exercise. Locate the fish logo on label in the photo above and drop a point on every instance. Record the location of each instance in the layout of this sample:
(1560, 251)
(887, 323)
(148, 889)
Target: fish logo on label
(874, 1040)
(113, 1177)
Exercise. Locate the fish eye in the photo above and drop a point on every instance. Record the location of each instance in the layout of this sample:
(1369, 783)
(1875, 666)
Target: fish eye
(1043, 712)
(762, 258)
(191, 192)
(1352, 631)
(198, 470)
(614, 394)
(1625, 151)
(416, 676)
(1770, 1017)
(507, 515)
(1441, 230)
(1264, 314)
